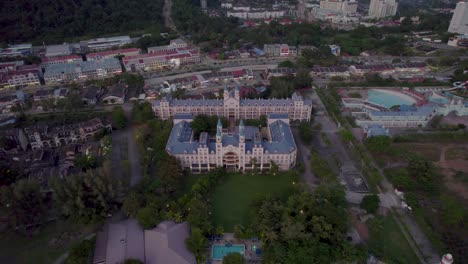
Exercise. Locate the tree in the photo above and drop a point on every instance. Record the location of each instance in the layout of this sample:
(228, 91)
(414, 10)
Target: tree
(346, 135)
(86, 198)
(286, 64)
(133, 202)
(142, 112)
(233, 258)
(25, 204)
(422, 171)
(149, 216)
(133, 261)
(81, 253)
(370, 203)
(85, 161)
(453, 213)
(118, 117)
(197, 243)
(305, 131)
(378, 144)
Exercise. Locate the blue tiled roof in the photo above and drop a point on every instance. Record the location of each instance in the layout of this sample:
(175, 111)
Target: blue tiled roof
(183, 116)
(278, 116)
(282, 140)
(377, 130)
(422, 111)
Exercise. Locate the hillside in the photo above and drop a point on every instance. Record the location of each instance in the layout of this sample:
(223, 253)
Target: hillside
(55, 21)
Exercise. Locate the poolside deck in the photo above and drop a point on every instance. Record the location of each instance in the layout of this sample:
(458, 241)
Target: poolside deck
(250, 254)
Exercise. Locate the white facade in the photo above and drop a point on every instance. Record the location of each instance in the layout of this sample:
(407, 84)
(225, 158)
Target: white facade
(459, 23)
(383, 8)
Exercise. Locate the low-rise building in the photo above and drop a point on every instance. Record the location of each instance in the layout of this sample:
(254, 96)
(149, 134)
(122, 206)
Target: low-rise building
(418, 117)
(279, 50)
(124, 240)
(105, 43)
(23, 75)
(160, 60)
(82, 71)
(109, 54)
(44, 136)
(328, 72)
(115, 94)
(16, 137)
(18, 50)
(243, 149)
(459, 41)
(58, 50)
(279, 72)
(60, 60)
(91, 95)
(10, 66)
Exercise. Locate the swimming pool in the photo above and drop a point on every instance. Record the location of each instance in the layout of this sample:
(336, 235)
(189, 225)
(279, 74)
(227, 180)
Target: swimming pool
(389, 98)
(220, 251)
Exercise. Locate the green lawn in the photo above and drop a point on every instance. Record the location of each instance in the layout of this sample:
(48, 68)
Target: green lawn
(233, 197)
(45, 247)
(389, 243)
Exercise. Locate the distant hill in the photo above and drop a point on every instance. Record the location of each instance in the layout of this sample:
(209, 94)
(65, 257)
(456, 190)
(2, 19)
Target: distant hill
(54, 21)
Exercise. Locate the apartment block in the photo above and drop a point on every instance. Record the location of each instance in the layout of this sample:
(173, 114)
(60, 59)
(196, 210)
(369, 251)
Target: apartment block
(459, 22)
(383, 8)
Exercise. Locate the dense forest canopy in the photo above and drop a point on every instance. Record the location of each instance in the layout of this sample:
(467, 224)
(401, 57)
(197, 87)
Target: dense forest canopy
(55, 21)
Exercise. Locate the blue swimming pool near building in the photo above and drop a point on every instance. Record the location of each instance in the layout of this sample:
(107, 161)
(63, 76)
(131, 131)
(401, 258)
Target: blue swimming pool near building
(389, 98)
(220, 251)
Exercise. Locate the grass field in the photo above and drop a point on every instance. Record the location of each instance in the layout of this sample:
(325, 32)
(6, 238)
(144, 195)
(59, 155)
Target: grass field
(233, 197)
(392, 246)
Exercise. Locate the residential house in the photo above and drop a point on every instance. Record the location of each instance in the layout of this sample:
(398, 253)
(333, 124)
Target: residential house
(16, 137)
(115, 94)
(91, 94)
(124, 240)
(58, 50)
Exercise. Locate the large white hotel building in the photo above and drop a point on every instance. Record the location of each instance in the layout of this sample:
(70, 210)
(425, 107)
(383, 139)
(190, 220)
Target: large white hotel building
(232, 106)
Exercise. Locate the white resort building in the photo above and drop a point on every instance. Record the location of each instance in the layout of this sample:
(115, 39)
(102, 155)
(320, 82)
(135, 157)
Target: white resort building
(232, 106)
(244, 148)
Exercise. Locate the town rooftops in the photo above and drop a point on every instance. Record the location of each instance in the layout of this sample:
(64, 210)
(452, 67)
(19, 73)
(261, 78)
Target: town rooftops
(82, 66)
(108, 53)
(67, 58)
(421, 111)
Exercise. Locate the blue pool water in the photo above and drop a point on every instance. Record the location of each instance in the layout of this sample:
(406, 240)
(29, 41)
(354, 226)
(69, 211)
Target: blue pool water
(387, 99)
(220, 251)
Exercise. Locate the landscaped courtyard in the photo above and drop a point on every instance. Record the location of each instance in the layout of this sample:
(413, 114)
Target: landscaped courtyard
(233, 197)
